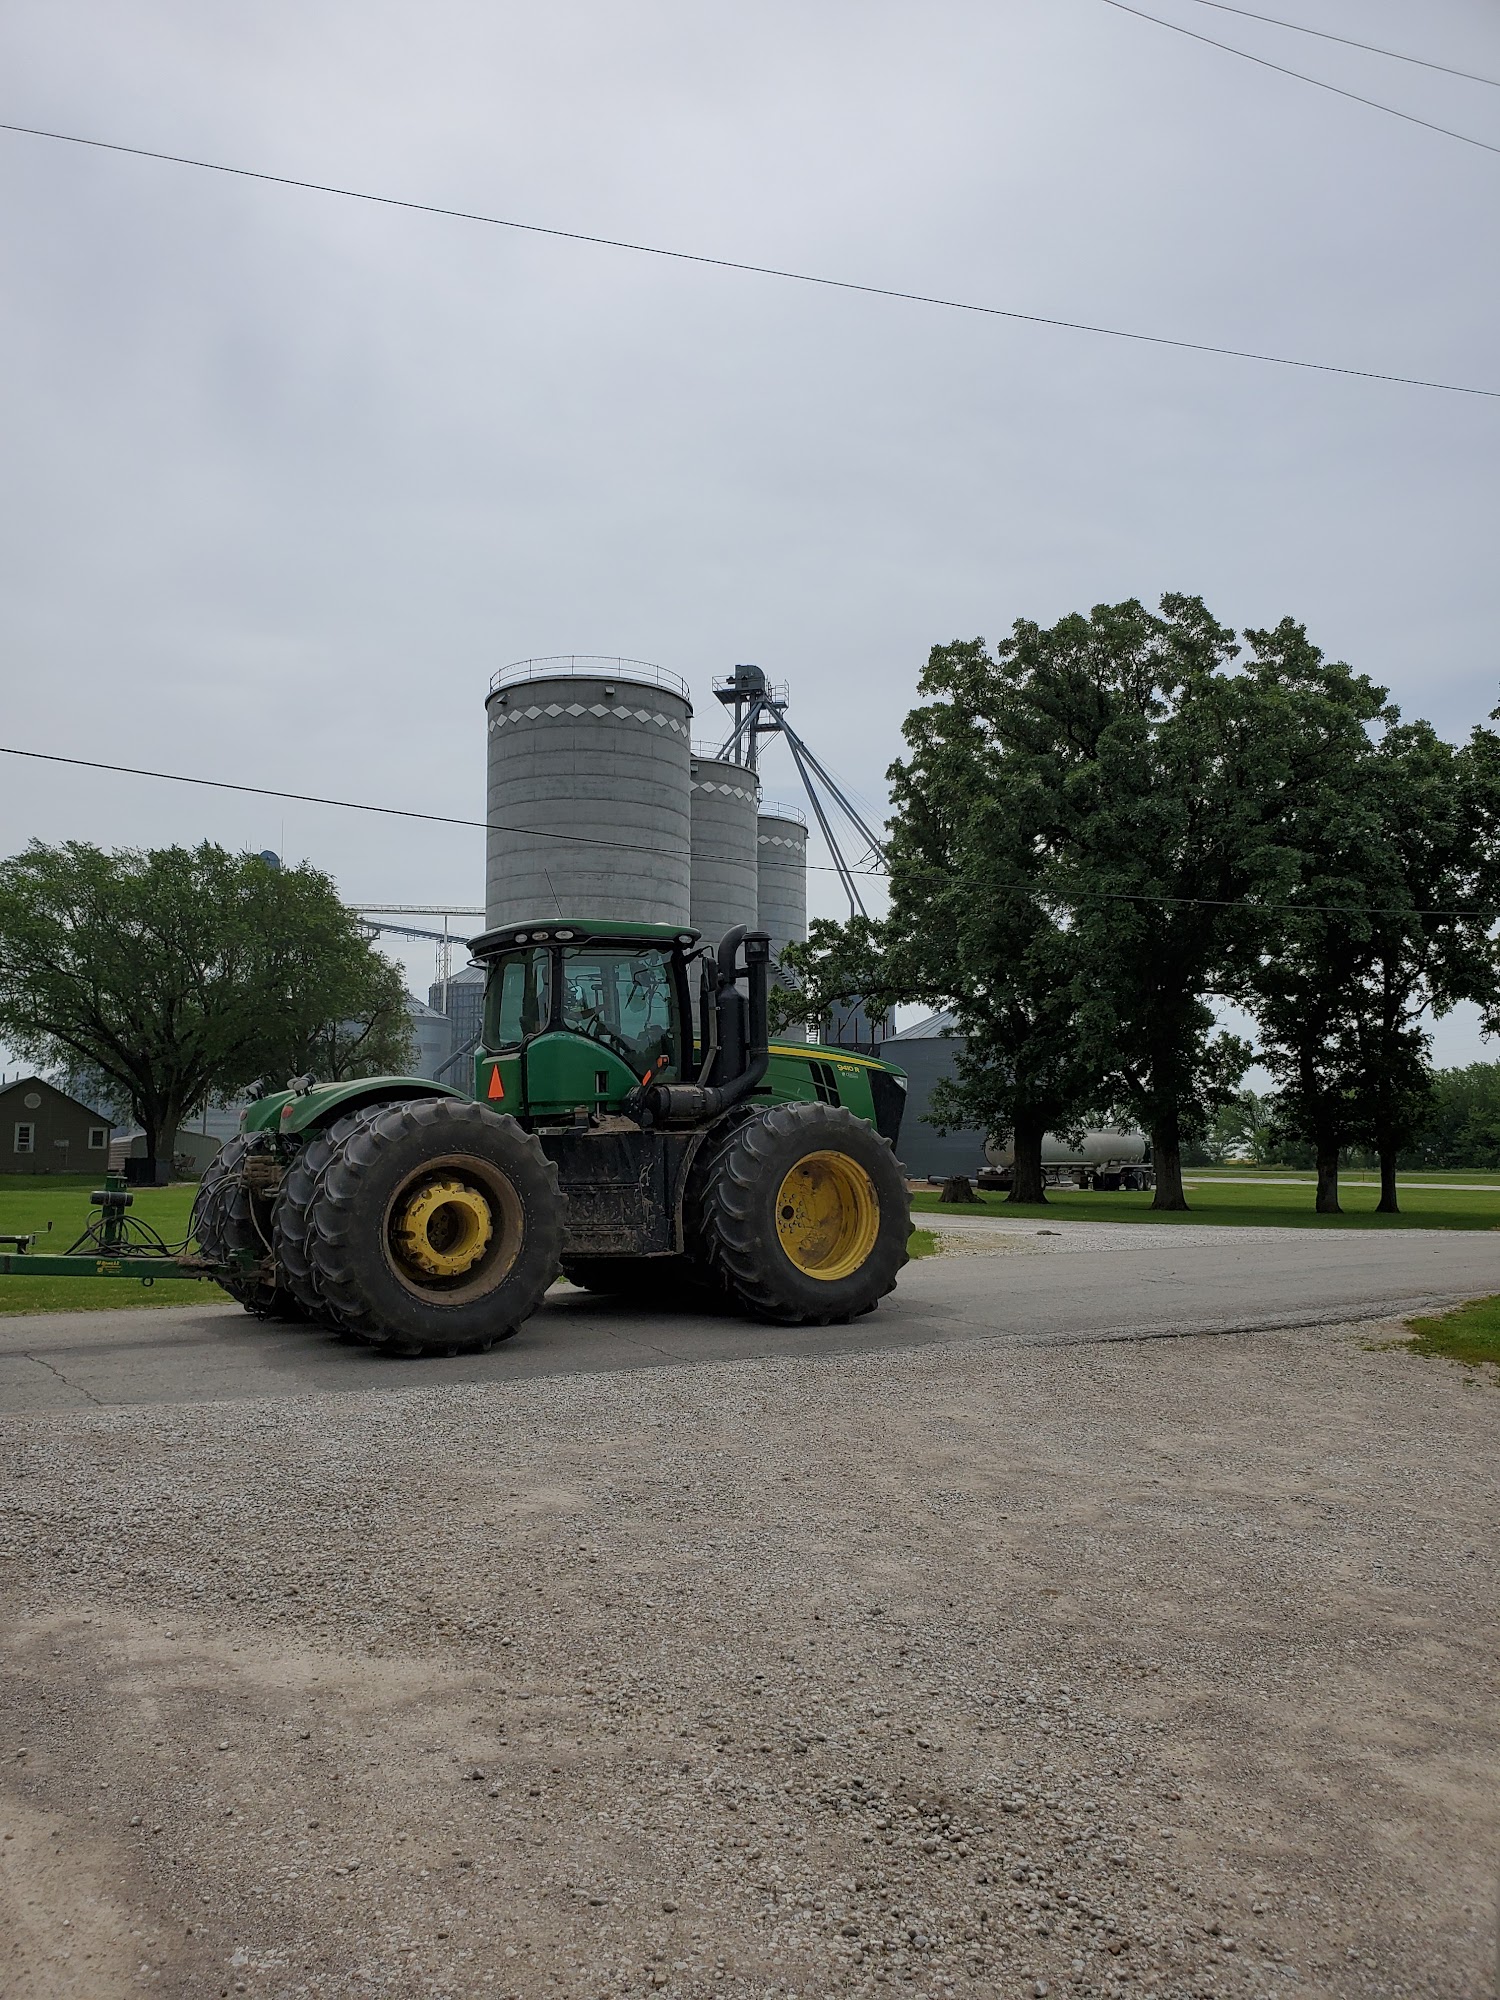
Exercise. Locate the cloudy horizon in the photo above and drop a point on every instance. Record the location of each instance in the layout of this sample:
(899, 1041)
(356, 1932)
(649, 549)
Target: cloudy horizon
(291, 476)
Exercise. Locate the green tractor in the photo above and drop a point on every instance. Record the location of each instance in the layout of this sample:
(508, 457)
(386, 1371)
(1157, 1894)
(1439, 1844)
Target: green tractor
(604, 1138)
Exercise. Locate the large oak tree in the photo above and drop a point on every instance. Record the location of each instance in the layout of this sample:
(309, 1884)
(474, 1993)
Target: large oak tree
(180, 976)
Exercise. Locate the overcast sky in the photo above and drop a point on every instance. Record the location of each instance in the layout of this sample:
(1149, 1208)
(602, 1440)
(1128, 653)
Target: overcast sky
(287, 476)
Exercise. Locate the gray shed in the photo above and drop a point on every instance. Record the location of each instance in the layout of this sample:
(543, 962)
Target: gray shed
(926, 1051)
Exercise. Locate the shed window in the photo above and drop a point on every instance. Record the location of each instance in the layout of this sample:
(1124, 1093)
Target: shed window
(98, 1138)
(25, 1139)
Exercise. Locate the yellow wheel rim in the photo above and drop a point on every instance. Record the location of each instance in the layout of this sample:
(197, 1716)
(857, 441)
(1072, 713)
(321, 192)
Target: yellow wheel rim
(827, 1216)
(442, 1228)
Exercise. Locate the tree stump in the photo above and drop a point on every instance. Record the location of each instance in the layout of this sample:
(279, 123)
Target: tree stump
(957, 1188)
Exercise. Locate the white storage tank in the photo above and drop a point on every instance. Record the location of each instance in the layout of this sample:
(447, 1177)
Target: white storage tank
(1099, 1149)
(725, 853)
(589, 792)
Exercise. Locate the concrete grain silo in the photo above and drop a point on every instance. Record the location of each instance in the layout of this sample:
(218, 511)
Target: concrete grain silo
(781, 840)
(597, 748)
(725, 851)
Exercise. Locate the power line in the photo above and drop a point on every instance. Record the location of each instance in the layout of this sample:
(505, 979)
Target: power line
(1316, 81)
(386, 812)
(1489, 911)
(775, 271)
(632, 847)
(1297, 28)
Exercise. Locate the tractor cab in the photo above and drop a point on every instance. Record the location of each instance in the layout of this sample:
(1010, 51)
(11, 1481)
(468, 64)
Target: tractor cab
(586, 1020)
(579, 1016)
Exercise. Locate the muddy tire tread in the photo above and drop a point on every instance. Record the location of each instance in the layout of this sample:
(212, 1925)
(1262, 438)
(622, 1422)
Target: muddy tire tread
(224, 1223)
(290, 1224)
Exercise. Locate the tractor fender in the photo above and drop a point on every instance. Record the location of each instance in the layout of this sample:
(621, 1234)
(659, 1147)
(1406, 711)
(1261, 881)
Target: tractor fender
(292, 1114)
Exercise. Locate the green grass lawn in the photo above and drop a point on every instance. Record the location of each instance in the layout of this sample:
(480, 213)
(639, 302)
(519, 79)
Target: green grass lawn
(1250, 1202)
(1470, 1334)
(1355, 1176)
(31, 1201)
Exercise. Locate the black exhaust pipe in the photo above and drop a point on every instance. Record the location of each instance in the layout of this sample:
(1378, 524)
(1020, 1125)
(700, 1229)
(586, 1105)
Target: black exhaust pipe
(744, 1041)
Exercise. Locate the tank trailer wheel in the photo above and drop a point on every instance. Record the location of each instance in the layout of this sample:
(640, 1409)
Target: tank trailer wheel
(229, 1218)
(803, 1213)
(434, 1226)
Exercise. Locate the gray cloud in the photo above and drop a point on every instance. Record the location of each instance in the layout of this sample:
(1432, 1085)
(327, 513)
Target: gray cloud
(287, 478)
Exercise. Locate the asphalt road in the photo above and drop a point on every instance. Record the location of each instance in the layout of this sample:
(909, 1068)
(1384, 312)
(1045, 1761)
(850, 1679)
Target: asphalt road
(1075, 1282)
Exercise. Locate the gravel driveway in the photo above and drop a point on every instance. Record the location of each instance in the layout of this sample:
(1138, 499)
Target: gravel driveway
(980, 1669)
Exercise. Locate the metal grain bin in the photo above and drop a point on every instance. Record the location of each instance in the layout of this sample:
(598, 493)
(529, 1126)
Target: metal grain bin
(725, 853)
(589, 792)
(781, 840)
(781, 837)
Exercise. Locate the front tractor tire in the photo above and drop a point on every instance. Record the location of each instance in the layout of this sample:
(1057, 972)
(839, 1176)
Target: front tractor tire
(802, 1213)
(435, 1226)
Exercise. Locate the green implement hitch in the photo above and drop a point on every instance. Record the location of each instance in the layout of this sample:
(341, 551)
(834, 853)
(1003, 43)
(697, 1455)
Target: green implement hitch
(116, 1245)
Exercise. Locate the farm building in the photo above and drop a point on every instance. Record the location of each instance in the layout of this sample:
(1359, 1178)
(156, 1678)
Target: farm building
(44, 1131)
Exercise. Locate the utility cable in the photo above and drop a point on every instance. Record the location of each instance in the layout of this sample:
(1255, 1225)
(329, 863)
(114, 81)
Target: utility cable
(588, 840)
(775, 271)
(387, 812)
(1370, 48)
(1317, 82)
(1489, 911)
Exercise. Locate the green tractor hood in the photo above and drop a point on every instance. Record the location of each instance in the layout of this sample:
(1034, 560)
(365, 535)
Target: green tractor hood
(293, 1112)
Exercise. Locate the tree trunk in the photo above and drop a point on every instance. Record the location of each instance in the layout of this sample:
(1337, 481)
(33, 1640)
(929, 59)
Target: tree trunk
(160, 1123)
(1388, 1204)
(1166, 1157)
(1327, 1202)
(1026, 1182)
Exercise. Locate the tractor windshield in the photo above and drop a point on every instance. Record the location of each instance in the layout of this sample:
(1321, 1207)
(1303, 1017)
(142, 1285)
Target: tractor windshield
(625, 998)
(519, 1000)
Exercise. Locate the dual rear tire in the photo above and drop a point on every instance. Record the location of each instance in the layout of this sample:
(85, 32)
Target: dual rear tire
(432, 1226)
(233, 1220)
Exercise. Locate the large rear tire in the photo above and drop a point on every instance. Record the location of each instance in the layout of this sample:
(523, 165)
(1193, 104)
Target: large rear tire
(291, 1221)
(802, 1212)
(230, 1217)
(435, 1226)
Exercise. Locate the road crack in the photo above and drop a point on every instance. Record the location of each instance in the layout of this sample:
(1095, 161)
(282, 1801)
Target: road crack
(76, 1387)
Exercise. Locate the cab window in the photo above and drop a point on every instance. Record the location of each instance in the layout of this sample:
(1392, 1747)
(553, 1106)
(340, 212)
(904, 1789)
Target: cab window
(519, 999)
(625, 999)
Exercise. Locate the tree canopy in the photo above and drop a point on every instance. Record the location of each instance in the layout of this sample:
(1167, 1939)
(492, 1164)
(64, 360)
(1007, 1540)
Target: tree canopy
(1461, 1120)
(1107, 827)
(182, 975)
